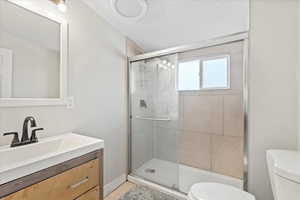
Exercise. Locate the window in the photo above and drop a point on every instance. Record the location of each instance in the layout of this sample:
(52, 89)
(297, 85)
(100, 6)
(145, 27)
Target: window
(214, 73)
(200, 74)
(188, 75)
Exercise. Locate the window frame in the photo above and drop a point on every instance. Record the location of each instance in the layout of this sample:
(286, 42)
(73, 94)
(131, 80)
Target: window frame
(201, 60)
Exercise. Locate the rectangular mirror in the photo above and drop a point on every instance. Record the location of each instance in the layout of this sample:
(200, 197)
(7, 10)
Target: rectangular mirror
(33, 55)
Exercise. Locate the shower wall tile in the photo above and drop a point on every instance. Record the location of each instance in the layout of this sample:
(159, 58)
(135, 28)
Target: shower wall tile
(227, 156)
(203, 114)
(142, 142)
(166, 144)
(175, 115)
(209, 123)
(233, 115)
(236, 75)
(172, 124)
(195, 150)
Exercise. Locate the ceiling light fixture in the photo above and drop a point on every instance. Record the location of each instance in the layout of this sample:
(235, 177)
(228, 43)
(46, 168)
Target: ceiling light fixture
(143, 10)
(62, 6)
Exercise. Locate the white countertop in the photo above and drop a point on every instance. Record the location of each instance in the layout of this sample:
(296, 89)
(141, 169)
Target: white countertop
(24, 160)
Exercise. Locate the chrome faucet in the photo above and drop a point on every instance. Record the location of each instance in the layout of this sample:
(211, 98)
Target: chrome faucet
(25, 138)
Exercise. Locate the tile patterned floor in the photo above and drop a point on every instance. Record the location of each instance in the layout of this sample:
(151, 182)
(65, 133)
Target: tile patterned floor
(122, 189)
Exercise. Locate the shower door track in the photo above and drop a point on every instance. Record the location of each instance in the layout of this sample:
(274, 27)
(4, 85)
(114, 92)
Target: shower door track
(180, 49)
(242, 36)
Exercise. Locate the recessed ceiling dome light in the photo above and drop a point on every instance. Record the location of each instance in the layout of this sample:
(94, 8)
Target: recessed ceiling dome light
(129, 10)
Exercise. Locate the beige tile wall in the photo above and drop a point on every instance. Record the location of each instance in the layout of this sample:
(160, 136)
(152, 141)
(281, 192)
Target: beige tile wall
(212, 133)
(203, 114)
(212, 121)
(233, 115)
(195, 150)
(227, 155)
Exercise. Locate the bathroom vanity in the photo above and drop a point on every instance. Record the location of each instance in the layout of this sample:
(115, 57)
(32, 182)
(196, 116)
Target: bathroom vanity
(34, 72)
(65, 167)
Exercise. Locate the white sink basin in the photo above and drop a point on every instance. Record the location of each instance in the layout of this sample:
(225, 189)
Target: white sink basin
(24, 160)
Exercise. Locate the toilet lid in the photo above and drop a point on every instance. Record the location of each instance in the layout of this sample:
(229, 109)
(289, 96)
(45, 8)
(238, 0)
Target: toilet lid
(216, 191)
(286, 163)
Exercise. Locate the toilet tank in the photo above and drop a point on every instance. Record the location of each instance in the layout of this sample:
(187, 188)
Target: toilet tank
(284, 172)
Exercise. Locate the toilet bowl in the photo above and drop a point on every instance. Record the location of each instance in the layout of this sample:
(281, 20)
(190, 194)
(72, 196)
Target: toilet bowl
(217, 191)
(284, 171)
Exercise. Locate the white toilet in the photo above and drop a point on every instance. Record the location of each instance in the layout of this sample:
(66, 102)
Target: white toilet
(284, 170)
(217, 191)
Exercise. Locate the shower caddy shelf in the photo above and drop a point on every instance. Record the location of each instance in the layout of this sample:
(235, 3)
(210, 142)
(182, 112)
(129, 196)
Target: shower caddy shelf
(153, 118)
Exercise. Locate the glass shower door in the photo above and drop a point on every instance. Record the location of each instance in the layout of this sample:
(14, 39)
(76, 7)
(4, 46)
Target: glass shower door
(154, 117)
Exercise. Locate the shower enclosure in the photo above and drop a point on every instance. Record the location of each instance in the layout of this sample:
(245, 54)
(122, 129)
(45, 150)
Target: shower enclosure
(187, 115)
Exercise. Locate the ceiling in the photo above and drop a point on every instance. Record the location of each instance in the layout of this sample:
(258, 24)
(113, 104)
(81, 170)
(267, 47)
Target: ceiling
(170, 23)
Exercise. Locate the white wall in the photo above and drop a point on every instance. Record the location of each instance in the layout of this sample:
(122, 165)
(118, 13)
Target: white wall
(96, 80)
(272, 80)
(298, 76)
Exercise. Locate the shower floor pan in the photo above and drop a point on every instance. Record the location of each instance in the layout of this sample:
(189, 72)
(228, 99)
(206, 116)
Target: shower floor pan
(175, 176)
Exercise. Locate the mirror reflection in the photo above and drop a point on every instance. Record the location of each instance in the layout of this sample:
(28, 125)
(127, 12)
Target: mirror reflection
(29, 54)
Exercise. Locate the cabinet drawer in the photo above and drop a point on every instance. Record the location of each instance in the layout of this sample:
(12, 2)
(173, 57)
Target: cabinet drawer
(93, 194)
(64, 186)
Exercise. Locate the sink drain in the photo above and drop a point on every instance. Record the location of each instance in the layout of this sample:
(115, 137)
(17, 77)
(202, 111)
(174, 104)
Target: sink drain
(149, 170)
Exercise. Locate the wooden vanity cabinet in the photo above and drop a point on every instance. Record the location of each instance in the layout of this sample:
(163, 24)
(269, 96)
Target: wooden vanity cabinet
(77, 179)
(91, 195)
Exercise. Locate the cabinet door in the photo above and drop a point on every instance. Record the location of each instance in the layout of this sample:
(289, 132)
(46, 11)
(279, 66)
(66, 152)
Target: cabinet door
(93, 194)
(65, 186)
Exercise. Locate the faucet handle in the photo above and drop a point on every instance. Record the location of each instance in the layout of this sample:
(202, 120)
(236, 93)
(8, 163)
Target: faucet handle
(15, 141)
(33, 137)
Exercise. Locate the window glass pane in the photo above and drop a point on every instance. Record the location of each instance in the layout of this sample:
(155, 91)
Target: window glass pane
(214, 73)
(188, 75)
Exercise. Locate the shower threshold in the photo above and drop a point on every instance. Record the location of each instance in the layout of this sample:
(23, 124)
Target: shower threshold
(178, 178)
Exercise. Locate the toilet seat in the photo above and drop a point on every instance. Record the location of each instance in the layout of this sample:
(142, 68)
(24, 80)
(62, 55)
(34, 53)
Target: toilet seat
(217, 191)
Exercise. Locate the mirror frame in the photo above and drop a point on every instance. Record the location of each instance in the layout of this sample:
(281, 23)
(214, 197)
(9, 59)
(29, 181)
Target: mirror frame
(63, 99)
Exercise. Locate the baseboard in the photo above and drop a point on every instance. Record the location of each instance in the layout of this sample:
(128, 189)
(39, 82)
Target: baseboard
(109, 187)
